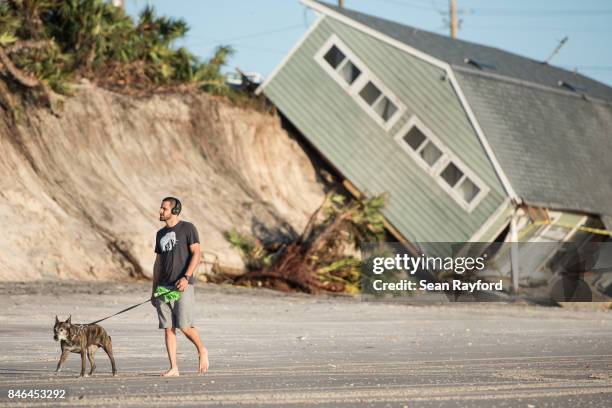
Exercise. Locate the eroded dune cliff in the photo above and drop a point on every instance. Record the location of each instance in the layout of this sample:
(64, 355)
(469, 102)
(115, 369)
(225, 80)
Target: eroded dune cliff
(79, 193)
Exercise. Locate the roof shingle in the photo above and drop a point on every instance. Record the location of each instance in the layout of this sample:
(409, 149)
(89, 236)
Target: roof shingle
(455, 52)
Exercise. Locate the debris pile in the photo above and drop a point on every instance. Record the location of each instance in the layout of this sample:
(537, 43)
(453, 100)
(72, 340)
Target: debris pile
(323, 257)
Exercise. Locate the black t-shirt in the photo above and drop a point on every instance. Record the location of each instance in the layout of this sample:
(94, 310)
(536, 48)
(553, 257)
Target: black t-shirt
(173, 246)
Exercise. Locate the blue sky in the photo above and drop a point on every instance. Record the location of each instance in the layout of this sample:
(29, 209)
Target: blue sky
(263, 31)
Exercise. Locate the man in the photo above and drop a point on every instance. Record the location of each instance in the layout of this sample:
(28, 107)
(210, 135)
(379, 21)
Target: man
(177, 246)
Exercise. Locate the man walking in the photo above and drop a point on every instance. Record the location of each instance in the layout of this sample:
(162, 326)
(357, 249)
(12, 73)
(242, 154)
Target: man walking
(177, 246)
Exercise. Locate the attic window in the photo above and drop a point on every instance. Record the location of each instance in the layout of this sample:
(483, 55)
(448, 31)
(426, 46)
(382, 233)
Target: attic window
(370, 93)
(345, 68)
(425, 148)
(385, 108)
(455, 178)
(468, 190)
(360, 83)
(450, 173)
(334, 57)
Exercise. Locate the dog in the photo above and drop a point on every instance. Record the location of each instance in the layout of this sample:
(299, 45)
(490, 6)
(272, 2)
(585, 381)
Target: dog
(84, 339)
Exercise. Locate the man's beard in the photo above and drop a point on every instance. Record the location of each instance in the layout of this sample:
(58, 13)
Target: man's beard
(162, 218)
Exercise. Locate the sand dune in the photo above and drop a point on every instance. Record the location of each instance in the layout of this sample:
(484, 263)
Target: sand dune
(80, 192)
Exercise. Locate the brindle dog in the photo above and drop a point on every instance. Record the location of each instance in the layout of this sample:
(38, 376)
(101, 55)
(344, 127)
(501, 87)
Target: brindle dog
(83, 339)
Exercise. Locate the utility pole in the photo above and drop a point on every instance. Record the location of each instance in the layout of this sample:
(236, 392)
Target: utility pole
(341, 3)
(453, 18)
(514, 253)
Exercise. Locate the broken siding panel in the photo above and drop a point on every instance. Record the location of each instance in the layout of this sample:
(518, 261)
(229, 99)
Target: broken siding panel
(538, 245)
(367, 155)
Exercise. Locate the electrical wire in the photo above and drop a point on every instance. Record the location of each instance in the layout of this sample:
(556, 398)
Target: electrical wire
(246, 36)
(470, 26)
(494, 12)
(502, 12)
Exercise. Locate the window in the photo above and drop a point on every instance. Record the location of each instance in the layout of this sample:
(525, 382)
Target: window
(370, 93)
(430, 153)
(385, 108)
(414, 138)
(362, 85)
(334, 57)
(339, 62)
(425, 148)
(468, 190)
(450, 173)
(379, 102)
(349, 72)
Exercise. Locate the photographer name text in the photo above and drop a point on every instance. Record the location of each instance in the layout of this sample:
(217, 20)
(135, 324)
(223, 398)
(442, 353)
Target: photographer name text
(455, 284)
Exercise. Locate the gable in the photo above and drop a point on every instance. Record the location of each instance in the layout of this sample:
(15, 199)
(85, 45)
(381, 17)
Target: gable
(368, 154)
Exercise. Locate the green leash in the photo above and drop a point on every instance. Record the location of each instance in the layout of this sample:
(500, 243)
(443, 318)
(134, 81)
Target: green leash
(161, 293)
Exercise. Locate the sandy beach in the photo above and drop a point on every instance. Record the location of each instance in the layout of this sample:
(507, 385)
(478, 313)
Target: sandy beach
(273, 349)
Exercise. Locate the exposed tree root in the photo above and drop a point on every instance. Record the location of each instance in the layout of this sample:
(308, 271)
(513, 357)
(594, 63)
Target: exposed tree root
(304, 264)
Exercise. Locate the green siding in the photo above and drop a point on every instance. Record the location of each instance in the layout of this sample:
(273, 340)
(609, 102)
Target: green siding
(367, 154)
(503, 218)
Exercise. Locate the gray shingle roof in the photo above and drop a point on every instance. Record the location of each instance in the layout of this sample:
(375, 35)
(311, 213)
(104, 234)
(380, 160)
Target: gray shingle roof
(555, 148)
(454, 52)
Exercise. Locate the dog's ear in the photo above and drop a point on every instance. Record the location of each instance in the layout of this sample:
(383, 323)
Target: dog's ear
(56, 320)
(68, 321)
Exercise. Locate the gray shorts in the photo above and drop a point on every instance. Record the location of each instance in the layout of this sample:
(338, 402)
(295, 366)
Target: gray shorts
(177, 314)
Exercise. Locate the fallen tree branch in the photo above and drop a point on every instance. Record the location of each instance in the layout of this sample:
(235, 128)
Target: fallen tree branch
(317, 259)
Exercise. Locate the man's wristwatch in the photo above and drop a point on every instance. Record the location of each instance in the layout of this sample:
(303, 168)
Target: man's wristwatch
(188, 278)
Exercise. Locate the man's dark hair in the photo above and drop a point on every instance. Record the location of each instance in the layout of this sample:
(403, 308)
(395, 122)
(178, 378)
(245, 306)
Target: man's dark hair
(176, 204)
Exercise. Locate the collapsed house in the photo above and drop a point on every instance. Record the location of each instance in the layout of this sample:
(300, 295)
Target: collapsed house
(471, 143)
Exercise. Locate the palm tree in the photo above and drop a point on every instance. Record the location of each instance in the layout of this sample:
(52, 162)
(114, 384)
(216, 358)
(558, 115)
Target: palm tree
(90, 37)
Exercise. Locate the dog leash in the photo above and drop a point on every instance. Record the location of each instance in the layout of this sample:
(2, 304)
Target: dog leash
(132, 307)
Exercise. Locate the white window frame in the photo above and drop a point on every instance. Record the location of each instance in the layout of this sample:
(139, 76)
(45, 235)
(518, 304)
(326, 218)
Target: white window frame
(361, 81)
(436, 170)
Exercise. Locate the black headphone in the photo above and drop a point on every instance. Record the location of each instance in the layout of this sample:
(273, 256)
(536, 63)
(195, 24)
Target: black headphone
(176, 210)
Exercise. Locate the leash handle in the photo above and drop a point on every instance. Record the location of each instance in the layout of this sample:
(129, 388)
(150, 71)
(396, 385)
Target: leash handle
(131, 307)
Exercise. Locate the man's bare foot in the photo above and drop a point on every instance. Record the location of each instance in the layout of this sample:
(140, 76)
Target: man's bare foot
(203, 362)
(173, 372)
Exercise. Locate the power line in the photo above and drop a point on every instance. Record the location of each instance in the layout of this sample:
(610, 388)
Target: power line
(440, 3)
(409, 5)
(247, 36)
(535, 28)
(260, 49)
(589, 67)
(504, 12)
(538, 13)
